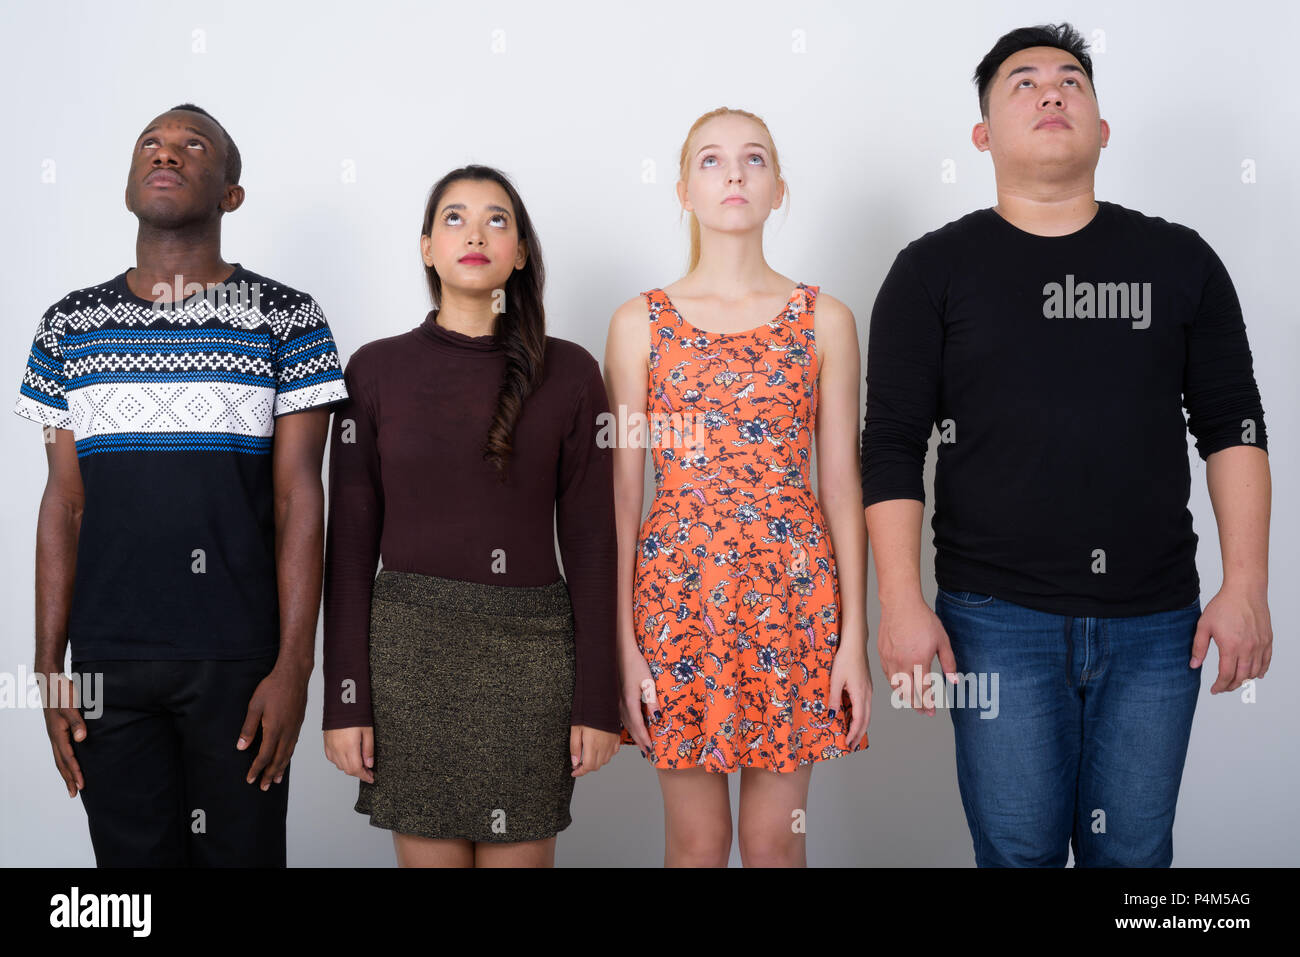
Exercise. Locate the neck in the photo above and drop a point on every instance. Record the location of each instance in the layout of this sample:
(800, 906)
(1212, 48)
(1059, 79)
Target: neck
(731, 264)
(467, 312)
(1047, 209)
(192, 253)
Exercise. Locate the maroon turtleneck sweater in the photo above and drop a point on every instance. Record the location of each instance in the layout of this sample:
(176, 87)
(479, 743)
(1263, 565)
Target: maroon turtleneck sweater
(412, 486)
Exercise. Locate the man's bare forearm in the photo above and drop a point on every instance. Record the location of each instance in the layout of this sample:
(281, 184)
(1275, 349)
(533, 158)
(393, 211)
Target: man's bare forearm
(58, 528)
(299, 534)
(894, 530)
(1240, 486)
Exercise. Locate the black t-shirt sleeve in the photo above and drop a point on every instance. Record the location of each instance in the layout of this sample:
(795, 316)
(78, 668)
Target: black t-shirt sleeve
(904, 361)
(1219, 390)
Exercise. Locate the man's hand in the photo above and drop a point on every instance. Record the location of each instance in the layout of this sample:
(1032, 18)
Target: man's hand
(63, 725)
(910, 636)
(278, 705)
(1238, 621)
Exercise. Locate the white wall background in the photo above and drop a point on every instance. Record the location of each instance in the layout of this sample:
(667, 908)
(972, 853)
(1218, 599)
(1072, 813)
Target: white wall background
(574, 102)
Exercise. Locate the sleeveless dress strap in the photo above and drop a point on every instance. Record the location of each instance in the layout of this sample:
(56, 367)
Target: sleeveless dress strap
(810, 298)
(655, 297)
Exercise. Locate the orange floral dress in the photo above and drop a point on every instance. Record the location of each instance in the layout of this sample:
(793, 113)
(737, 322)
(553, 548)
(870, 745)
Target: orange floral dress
(736, 599)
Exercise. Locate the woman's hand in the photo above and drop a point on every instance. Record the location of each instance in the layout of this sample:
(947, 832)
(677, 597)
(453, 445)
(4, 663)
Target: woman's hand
(851, 675)
(352, 750)
(638, 701)
(590, 748)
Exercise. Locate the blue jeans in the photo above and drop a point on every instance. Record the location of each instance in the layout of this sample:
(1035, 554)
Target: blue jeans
(1089, 734)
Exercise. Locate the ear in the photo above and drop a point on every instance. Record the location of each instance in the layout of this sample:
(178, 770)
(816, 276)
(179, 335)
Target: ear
(426, 250)
(979, 135)
(521, 256)
(681, 196)
(233, 199)
(1105, 133)
(780, 192)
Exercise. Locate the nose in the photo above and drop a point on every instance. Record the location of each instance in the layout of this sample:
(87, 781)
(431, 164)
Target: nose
(1052, 97)
(164, 155)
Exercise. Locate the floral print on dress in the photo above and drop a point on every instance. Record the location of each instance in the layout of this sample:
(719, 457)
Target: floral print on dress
(736, 599)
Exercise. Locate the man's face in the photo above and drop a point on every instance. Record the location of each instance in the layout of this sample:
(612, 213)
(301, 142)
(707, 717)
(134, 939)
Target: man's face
(178, 172)
(1042, 119)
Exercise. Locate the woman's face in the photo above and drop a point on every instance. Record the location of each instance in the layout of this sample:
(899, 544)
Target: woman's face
(473, 243)
(731, 184)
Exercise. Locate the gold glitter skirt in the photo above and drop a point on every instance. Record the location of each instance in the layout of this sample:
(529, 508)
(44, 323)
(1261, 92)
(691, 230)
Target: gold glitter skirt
(472, 689)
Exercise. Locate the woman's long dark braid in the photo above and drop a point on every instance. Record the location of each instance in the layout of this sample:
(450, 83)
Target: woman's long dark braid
(524, 344)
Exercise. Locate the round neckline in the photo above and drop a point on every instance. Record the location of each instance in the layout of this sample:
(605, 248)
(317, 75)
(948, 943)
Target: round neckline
(451, 340)
(124, 288)
(742, 332)
(1102, 210)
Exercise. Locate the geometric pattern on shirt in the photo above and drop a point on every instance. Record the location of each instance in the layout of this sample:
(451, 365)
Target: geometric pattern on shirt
(121, 375)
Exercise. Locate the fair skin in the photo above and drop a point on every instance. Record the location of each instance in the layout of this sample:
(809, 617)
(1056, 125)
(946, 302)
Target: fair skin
(475, 219)
(731, 285)
(1044, 132)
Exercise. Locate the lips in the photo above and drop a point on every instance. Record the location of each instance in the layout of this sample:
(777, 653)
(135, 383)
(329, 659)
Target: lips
(735, 199)
(474, 259)
(1055, 121)
(163, 177)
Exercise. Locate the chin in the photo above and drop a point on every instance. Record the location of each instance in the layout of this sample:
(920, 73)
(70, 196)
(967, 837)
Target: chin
(733, 226)
(163, 215)
(1060, 152)
(480, 282)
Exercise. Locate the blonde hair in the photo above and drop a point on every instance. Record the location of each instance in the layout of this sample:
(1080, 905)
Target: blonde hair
(684, 174)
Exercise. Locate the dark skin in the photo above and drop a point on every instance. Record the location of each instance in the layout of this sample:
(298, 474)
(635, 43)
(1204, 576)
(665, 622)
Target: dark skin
(177, 190)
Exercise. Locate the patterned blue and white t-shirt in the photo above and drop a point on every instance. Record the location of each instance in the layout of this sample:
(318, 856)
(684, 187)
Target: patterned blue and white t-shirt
(173, 412)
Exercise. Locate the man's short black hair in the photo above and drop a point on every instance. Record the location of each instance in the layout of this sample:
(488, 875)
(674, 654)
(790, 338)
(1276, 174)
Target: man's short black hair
(234, 165)
(1063, 37)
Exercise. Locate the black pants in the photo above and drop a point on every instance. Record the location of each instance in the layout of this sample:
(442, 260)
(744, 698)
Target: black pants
(165, 785)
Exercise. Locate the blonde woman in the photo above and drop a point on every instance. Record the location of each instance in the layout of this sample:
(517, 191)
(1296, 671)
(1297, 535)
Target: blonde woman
(742, 594)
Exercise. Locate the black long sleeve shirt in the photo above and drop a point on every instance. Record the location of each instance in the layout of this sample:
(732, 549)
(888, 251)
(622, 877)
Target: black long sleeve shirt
(1057, 371)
